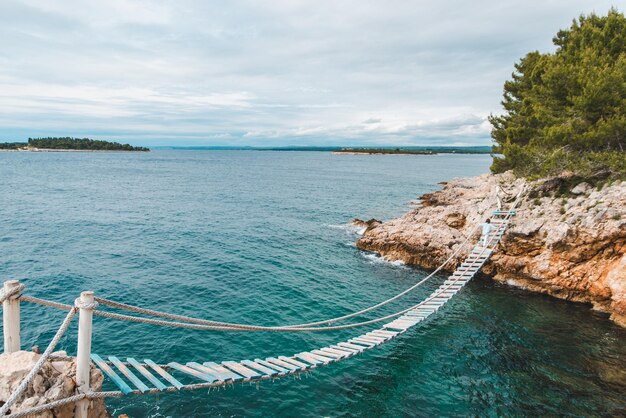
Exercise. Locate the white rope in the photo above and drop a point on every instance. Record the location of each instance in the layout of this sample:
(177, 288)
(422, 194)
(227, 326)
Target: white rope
(92, 306)
(220, 325)
(202, 324)
(45, 407)
(11, 293)
(244, 327)
(31, 375)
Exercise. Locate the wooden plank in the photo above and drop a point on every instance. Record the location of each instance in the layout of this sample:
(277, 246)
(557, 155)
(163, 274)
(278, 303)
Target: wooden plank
(398, 325)
(240, 369)
(192, 372)
(366, 342)
(309, 359)
(323, 359)
(294, 362)
(281, 370)
(130, 375)
(283, 364)
(373, 338)
(165, 375)
(391, 334)
(146, 373)
(343, 353)
(119, 382)
(418, 316)
(206, 370)
(325, 354)
(342, 350)
(382, 337)
(352, 346)
(222, 371)
(259, 368)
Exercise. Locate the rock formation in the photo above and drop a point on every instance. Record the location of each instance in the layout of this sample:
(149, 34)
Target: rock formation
(55, 380)
(567, 240)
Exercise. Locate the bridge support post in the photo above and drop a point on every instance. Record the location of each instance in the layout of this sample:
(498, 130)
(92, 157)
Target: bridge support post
(11, 318)
(86, 304)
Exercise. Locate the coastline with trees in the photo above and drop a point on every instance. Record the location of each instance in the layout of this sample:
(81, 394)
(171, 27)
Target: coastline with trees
(68, 144)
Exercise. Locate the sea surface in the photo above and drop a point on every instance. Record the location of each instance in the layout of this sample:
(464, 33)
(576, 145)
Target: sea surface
(263, 237)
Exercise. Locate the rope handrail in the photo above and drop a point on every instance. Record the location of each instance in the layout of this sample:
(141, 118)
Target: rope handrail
(238, 327)
(255, 327)
(202, 324)
(185, 318)
(220, 326)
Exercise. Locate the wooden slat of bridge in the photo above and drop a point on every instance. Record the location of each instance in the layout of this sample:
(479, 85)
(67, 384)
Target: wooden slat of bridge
(257, 369)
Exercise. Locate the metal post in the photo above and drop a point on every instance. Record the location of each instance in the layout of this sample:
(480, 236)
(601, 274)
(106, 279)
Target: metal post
(83, 353)
(11, 318)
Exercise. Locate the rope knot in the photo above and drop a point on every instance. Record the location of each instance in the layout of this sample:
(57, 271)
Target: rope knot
(78, 303)
(13, 293)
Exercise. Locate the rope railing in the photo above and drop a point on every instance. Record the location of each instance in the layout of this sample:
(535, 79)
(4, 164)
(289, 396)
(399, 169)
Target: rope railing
(199, 324)
(203, 324)
(183, 321)
(244, 327)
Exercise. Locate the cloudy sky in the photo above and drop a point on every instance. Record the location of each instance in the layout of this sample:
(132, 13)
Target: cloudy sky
(278, 72)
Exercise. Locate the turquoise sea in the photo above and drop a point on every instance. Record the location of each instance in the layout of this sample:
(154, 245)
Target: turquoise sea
(264, 237)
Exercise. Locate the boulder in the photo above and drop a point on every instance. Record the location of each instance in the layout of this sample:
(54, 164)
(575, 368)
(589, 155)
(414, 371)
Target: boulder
(55, 381)
(582, 188)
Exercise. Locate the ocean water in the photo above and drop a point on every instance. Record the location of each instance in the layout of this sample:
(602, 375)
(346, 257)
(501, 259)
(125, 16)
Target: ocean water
(264, 237)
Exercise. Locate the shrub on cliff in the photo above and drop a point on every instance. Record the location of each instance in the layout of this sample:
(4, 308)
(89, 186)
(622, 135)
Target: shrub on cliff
(566, 111)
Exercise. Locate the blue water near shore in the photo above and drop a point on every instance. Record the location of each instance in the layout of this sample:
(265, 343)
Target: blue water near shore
(263, 237)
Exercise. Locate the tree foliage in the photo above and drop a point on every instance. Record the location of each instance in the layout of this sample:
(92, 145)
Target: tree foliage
(81, 144)
(566, 111)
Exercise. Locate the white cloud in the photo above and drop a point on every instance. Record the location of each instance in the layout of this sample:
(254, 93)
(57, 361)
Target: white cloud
(279, 72)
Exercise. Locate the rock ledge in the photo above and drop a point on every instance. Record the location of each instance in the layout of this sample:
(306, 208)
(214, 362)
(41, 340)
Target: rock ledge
(570, 243)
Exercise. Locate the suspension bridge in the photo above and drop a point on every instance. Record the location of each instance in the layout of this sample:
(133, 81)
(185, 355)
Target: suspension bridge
(144, 376)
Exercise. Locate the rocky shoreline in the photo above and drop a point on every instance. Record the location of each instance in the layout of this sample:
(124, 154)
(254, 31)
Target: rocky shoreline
(568, 239)
(55, 381)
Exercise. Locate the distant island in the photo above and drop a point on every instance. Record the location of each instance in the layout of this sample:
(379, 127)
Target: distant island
(433, 149)
(68, 144)
(383, 151)
(415, 150)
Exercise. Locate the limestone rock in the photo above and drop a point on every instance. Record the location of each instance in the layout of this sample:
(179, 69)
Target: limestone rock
(55, 380)
(366, 225)
(582, 188)
(569, 248)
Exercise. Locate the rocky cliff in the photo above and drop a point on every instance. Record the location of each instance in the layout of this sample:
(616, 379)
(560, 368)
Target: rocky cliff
(55, 380)
(567, 240)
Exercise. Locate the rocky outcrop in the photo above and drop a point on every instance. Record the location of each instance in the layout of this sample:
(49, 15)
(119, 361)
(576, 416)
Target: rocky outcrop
(55, 380)
(567, 240)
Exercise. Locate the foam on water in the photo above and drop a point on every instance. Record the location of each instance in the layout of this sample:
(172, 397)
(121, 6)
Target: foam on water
(377, 259)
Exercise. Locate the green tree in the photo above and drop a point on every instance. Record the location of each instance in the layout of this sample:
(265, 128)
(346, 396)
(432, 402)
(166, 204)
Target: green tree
(567, 110)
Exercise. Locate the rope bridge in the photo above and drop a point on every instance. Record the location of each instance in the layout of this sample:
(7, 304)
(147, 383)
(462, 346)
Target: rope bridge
(145, 376)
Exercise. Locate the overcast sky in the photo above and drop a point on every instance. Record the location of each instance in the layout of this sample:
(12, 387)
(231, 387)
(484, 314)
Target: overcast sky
(286, 72)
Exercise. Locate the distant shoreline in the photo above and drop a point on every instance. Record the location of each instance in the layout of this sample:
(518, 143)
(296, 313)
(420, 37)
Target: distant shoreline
(381, 153)
(68, 150)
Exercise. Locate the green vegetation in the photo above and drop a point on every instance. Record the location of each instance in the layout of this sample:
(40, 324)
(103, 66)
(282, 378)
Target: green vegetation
(566, 111)
(81, 144)
(12, 145)
(397, 151)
